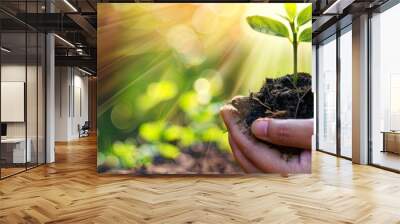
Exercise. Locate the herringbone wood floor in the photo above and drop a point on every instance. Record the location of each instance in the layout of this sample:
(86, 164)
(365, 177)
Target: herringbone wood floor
(70, 191)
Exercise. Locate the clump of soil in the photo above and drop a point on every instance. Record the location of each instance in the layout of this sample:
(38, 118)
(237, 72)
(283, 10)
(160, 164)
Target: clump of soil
(281, 98)
(203, 158)
(198, 159)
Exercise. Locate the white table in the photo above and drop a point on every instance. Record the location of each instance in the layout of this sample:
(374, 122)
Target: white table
(18, 144)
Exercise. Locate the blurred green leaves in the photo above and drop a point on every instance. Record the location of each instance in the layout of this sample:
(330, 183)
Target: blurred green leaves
(173, 133)
(188, 137)
(168, 151)
(125, 153)
(163, 90)
(212, 133)
(152, 131)
(122, 115)
(188, 102)
(110, 161)
(156, 93)
(146, 154)
(200, 124)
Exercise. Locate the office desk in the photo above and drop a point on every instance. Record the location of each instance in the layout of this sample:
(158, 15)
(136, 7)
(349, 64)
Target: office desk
(391, 141)
(15, 148)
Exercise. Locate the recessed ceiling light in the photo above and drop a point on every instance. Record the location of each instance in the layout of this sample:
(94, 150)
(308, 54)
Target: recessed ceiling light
(70, 5)
(84, 71)
(337, 7)
(65, 41)
(5, 50)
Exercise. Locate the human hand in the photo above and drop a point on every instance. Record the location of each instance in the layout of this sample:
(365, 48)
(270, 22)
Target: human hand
(255, 156)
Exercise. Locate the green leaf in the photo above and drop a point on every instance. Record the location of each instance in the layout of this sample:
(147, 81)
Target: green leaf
(212, 134)
(169, 151)
(291, 10)
(306, 35)
(268, 26)
(152, 131)
(173, 133)
(188, 101)
(188, 137)
(204, 115)
(111, 161)
(163, 90)
(304, 16)
(223, 143)
(146, 154)
(125, 153)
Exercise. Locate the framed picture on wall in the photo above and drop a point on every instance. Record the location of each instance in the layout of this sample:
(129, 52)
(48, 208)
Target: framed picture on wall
(181, 85)
(12, 101)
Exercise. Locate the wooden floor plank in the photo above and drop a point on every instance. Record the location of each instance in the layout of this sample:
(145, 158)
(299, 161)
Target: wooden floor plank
(70, 191)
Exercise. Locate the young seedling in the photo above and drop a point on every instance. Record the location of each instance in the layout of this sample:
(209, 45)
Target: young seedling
(297, 23)
(286, 97)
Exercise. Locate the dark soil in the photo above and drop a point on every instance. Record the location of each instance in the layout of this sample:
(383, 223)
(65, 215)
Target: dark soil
(199, 159)
(278, 98)
(203, 158)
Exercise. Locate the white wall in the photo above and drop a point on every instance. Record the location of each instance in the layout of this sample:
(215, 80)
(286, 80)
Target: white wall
(13, 100)
(12, 73)
(80, 111)
(71, 94)
(62, 81)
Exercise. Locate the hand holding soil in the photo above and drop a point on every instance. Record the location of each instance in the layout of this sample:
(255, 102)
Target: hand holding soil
(253, 152)
(270, 130)
(294, 133)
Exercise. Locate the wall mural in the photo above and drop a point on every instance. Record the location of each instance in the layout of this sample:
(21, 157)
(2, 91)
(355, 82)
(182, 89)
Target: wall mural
(167, 72)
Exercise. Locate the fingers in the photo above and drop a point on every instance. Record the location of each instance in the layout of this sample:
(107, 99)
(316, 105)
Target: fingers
(230, 116)
(241, 159)
(261, 155)
(289, 132)
(305, 161)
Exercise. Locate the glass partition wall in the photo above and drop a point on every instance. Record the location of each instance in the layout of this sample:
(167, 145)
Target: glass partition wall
(22, 98)
(327, 95)
(13, 89)
(346, 71)
(334, 93)
(385, 90)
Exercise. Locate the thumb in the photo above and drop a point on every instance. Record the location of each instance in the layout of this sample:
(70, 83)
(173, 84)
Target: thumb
(285, 132)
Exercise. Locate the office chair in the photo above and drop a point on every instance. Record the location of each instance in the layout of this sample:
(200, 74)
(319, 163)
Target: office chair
(84, 130)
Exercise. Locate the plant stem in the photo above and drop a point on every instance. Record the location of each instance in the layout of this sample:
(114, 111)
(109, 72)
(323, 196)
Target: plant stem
(295, 45)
